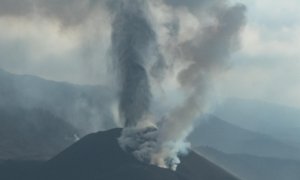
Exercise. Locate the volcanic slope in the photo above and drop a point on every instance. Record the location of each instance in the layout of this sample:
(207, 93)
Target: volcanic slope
(98, 156)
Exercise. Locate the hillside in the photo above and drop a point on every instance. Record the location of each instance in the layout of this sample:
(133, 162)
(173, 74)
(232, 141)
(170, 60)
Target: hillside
(32, 134)
(85, 107)
(98, 156)
(275, 120)
(250, 167)
(229, 138)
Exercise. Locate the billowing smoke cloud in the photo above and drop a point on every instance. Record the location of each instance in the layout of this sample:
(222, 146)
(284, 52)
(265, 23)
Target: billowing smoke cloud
(206, 55)
(203, 56)
(132, 38)
(134, 48)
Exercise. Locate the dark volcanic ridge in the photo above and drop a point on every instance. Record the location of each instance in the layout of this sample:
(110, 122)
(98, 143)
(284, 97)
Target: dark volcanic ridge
(98, 156)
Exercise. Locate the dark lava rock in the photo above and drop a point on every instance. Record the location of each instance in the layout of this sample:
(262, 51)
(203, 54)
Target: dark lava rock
(98, 157)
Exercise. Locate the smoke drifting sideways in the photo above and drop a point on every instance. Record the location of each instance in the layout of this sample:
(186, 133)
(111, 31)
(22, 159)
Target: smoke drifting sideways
(137, 51)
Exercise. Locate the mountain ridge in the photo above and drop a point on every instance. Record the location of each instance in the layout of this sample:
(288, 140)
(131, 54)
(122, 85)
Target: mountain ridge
(279, 121)
(250, 167)
(219, 134)
(98, 156)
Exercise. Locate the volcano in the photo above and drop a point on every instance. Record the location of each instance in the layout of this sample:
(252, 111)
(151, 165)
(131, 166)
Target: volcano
(98, 156)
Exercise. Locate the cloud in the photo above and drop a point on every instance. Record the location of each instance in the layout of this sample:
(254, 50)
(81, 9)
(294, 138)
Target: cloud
(68, 12)
(267, 67)
(54, 47)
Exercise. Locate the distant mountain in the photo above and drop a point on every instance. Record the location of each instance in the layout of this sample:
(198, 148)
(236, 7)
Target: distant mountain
(32, 134)
(39, 118)
(229, 138)
(279, 121)
(252, 167)
(86, 107)
(98, 156)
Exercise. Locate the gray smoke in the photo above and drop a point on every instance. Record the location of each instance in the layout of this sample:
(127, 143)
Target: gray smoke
(203, 57)
(132, 38)
(133, 47)
(206, 55)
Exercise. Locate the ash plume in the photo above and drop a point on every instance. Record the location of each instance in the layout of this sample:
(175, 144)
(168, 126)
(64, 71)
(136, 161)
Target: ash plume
(203, 56)
(206, 55)
(132, 37)
(135, 53)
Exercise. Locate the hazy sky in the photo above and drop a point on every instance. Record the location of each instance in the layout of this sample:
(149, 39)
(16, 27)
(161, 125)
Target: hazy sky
(267, 67)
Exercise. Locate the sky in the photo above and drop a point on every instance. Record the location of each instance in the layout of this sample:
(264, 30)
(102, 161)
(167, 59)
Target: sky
(266, 67)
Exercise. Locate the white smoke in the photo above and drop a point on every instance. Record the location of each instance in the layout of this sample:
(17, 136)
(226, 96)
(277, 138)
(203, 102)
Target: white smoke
(195, 57)
(144, 143)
